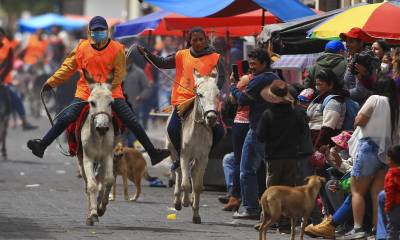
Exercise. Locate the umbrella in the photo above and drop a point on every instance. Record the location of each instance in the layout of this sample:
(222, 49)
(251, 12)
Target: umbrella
(379, 20)
(46, 21)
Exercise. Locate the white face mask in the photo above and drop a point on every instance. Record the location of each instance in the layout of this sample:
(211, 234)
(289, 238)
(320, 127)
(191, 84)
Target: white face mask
(384, 67)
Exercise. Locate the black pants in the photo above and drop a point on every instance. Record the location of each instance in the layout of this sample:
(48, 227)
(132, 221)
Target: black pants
(120, 107)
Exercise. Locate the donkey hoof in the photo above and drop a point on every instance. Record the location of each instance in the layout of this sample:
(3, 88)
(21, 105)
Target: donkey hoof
(178, 206)
(186, 204)
(133, 199)
(197, 220)
(92, 219)
(111, 198)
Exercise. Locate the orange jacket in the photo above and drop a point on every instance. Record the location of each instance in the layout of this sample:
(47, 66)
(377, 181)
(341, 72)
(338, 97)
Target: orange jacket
(97, 63)
(185, 64)
(36, 49)
(4, 51)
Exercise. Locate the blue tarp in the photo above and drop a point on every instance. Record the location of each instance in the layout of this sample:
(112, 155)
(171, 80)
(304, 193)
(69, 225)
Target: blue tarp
(285, 10)
(138, 25)
(46, 21)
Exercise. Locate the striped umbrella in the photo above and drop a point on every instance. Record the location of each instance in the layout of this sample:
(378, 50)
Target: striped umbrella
(380, 20)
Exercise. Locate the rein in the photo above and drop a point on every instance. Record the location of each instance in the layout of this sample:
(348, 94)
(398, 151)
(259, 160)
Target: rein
(51, 120)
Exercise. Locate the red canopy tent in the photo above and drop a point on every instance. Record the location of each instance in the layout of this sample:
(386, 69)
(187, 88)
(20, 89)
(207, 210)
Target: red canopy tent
(247, 24)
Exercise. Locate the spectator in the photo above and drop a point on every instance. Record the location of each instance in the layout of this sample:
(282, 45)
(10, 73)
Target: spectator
(377, 123)
(360, 75)
(379, 48)
(253, 150)
(389, 200)
(240, 128)
(332, 59)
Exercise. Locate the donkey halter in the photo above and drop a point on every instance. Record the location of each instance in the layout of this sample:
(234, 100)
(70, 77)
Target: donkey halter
(93, 116)
(204, 113)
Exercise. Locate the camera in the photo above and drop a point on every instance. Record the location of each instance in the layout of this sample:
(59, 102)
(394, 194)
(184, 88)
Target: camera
(363, 59)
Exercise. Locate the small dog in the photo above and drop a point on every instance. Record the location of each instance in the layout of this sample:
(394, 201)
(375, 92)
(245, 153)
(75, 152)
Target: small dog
(292, 202)
(130, 164)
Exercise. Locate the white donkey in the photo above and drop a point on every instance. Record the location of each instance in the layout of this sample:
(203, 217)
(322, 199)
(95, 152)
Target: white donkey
(197, 137)
(96, 157)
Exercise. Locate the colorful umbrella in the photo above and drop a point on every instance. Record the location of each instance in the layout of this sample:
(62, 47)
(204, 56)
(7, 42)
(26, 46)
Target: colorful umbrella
(380, 20)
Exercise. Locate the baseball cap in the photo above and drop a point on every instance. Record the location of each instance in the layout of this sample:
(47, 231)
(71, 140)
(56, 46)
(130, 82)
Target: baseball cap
(356, 33)
(98, 23)
(334, 46)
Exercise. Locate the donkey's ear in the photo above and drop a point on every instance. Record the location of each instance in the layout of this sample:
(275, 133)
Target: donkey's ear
(196, 73)
(87, 76)
(214, 73)
(197, 76)
(110, 76)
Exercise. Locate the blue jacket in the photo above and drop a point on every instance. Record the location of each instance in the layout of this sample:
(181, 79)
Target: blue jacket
(251, 96)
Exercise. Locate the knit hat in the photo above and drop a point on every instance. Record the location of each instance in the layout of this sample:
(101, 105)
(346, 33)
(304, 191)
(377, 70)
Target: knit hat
(334, 46)
(342, 139)
(306, 95)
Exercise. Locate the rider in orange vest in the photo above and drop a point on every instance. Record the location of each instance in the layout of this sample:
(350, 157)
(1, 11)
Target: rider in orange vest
(36, 48)
(6, 65)
(98, 55)
(200, 56)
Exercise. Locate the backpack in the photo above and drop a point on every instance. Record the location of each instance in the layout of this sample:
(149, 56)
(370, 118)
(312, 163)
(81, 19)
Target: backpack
(352, 108)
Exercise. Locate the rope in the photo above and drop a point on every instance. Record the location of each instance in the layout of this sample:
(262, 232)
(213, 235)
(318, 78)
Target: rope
(130, 49)
(59, 146)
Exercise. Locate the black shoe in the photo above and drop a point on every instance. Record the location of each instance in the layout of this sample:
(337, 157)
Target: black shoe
(223, 199)
(175, 165)
(37, 147)
(28, 126)
(157, 155)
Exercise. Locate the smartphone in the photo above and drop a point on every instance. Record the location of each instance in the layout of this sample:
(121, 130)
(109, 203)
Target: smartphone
(245, 66)
(235, 71)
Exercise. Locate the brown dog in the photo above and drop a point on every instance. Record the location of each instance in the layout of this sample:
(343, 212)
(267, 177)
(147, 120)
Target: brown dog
(292, 202)
(130, 164)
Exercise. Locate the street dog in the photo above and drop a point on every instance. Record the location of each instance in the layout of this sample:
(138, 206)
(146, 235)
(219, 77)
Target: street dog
(291, 202)
(130, 164)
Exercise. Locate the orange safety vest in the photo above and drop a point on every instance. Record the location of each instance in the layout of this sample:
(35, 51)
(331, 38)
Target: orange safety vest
(185, 64)
(35, 50)
(3, 56)
(98, 64)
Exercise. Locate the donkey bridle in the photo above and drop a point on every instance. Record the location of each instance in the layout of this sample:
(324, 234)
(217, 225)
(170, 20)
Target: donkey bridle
(98, 113)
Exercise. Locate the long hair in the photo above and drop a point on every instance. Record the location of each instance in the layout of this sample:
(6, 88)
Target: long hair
(328, 76)
(387, 87)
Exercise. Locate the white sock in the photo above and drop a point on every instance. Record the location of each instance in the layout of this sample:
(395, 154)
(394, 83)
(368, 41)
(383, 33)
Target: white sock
(357, 226)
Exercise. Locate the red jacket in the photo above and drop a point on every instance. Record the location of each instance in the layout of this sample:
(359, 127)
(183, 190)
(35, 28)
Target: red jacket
(392, 188)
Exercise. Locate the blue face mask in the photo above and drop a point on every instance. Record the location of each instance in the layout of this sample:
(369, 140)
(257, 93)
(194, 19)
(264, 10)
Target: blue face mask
(98, 36)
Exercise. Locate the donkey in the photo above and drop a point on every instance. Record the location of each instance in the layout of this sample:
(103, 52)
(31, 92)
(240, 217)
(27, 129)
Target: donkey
(96, 158)
(4, 118)
(197, 137)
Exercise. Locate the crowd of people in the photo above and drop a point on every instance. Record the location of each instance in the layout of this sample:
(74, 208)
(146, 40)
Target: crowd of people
(341, 123)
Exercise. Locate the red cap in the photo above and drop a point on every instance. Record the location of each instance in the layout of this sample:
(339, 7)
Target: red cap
(357, 33)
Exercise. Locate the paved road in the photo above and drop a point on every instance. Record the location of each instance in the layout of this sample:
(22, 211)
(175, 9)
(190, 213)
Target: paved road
(42, 199)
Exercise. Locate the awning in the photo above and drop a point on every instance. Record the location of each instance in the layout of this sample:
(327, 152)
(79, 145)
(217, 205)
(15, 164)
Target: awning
(46, 21)
(138, 25)
(297, 61)
(285, 10)
(165, 23)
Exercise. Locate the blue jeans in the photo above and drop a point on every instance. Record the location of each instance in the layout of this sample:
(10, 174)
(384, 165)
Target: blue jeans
(344, 213)
(366, 162)
(228, 165)
(17, 101)
(253, 153)
(174, 130)
(239, 132)
(120, 107)
(381, 224)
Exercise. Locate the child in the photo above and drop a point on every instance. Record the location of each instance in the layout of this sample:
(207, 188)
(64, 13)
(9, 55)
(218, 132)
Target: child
(392, 190)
